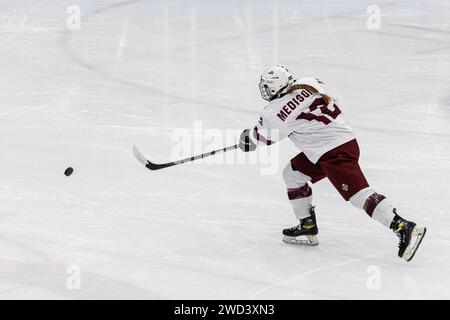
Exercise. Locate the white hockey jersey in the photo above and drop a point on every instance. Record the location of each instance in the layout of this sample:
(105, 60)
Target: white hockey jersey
(314, 126)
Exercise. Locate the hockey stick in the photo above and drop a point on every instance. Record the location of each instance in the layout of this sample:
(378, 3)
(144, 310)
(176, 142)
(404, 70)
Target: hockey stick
(155, 166)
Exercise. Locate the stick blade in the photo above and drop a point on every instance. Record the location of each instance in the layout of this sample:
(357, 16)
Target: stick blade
(146, 163)
(139, 156)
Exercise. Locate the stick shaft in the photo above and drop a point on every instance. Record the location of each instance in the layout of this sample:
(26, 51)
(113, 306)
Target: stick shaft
(157, 166)
(207, 154)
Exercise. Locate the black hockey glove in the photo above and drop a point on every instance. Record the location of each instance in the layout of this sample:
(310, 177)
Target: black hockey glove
(245, 142)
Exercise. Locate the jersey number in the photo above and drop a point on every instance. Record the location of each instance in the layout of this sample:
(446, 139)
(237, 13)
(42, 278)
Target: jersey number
(326, 113)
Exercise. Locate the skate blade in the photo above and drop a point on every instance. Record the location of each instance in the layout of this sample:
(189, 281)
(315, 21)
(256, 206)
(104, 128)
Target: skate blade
(417, 236)
(310, 240)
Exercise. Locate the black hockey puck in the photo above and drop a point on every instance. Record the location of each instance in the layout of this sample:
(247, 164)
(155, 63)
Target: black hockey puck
(68, 171)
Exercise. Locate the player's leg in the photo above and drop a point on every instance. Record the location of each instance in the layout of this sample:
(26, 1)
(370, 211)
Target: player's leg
(297, 173)
(380, 209)
(342, 168)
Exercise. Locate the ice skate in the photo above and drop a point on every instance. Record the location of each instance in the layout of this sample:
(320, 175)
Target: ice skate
(305, 233)
(410, 235)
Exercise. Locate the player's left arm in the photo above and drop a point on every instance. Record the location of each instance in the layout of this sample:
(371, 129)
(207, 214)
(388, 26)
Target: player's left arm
(265, 132)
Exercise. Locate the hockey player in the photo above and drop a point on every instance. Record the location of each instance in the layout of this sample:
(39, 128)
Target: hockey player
(302, 110)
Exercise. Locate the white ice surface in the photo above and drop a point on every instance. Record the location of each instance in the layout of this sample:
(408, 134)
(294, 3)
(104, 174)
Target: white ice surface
(138, 69)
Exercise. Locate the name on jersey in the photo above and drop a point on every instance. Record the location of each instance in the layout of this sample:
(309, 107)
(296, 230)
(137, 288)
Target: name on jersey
(287, 109)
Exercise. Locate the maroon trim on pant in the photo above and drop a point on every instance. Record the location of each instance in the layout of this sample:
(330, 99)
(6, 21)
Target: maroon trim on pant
(298, 193)
(372, 202)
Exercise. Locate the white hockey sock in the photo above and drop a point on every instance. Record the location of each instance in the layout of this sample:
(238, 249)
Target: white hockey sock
(375, 205)
(384, 213)
(299, 192)
(300, 201)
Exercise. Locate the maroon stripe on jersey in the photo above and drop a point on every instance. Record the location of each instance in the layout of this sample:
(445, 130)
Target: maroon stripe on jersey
(259, 137)
(299, 193)
(317, 102)
(311, 117)
(372, 202)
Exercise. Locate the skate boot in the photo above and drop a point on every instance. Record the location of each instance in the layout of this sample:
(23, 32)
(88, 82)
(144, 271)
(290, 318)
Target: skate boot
(307, 228)
(410, 236)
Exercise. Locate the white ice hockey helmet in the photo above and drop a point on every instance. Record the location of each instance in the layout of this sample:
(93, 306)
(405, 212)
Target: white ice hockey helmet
(275, 81)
